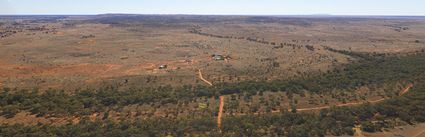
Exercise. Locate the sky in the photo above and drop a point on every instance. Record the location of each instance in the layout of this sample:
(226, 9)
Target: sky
(214, 7)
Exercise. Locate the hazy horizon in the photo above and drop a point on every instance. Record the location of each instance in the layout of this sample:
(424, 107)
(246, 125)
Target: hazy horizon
(217, 7)
(283, 15)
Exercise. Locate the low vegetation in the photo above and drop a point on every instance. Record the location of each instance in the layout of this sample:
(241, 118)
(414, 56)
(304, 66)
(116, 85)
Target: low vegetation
(369, 70)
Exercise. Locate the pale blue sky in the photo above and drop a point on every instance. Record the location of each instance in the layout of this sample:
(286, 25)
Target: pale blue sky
(235, 7)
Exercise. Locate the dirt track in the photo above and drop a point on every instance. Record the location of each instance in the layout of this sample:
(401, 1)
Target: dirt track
(220, 111)
(202, 78)
(420, 133)
(404, 91)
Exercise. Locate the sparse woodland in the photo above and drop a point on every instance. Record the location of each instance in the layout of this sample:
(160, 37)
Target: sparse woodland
(371, 69)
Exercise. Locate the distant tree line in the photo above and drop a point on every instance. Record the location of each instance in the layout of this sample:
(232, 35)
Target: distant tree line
(276, 45)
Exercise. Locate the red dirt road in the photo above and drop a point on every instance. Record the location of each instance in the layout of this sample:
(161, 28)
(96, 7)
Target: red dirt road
(220, 111)
(404, 91)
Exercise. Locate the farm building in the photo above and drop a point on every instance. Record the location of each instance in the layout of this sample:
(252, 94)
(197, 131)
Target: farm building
(218, 57)
(163, 66)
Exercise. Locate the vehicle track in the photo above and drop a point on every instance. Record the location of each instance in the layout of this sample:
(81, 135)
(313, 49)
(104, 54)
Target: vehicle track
(404, 91)
(202, 78)
(420, 133)
(220, 112)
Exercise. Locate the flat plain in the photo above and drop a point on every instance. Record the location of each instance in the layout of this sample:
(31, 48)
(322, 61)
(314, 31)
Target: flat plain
(72, 51)
(179, 65)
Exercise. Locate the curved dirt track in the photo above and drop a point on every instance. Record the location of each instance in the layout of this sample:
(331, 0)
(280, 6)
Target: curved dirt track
(202, 78)
(220, 110)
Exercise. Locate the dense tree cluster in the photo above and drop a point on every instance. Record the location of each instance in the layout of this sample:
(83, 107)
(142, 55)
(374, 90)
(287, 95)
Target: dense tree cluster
(110, 128)
(371, 69)
(335, 121)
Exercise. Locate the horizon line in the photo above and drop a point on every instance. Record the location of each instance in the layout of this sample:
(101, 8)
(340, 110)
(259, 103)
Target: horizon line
(341, 15)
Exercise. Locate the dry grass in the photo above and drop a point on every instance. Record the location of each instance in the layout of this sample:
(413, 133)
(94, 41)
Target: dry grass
(42, 59)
